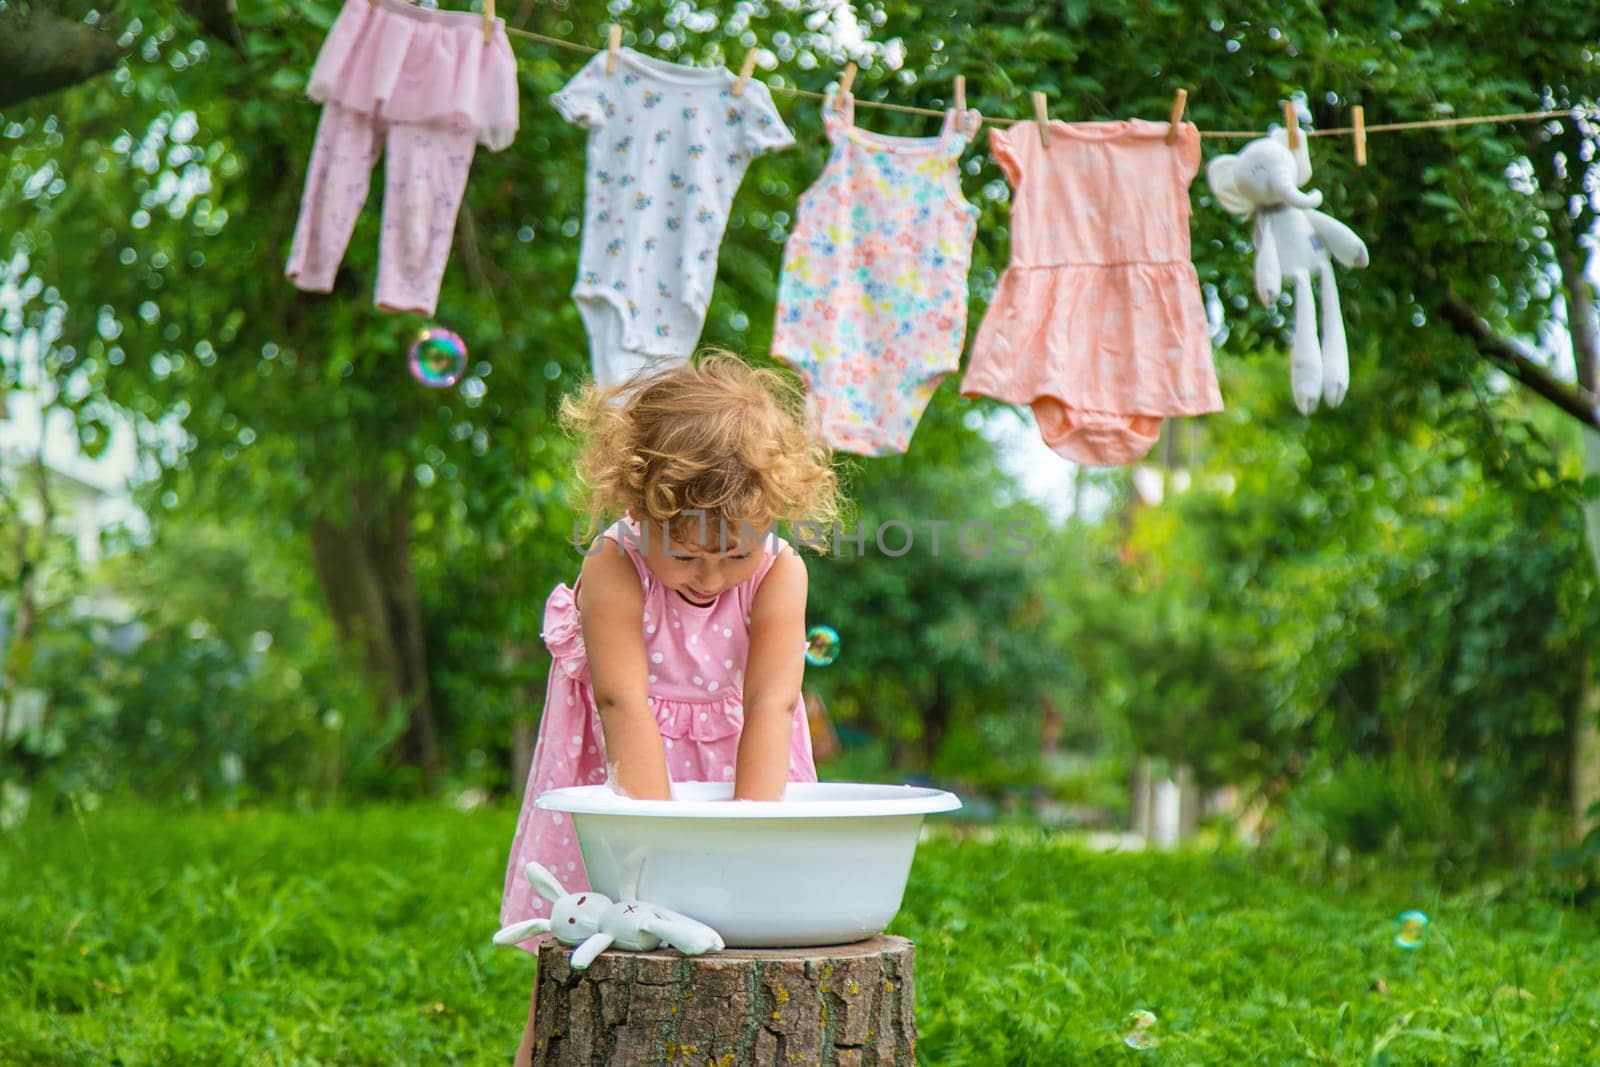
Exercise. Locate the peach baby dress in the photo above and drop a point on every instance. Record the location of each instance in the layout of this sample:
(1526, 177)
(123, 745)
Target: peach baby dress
(1097, 322)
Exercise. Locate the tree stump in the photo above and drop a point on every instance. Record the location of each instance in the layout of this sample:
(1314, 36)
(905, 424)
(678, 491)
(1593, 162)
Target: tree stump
(833, 1005)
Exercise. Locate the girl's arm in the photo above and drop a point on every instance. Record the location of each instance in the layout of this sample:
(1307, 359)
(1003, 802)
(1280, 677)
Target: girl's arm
(773, 674)
(611, 609)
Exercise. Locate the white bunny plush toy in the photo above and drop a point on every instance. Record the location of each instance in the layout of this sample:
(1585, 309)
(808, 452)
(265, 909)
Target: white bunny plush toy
(594, 923)
(1292, 241)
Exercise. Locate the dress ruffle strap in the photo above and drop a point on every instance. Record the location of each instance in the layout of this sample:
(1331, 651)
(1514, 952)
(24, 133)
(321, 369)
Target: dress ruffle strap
(563, 635)
(838, 115)
(957, 131)
(688, 719)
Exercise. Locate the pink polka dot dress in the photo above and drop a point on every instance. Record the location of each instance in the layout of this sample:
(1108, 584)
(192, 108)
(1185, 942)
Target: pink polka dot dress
(695, 656)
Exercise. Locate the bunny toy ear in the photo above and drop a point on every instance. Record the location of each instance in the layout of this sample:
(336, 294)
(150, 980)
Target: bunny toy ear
(544, 883)
(519, 932)
(633, 874)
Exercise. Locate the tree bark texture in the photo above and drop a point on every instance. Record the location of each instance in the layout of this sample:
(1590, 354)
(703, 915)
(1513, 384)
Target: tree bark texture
(1583, 725)
(1576, 401)
(1584, 752)
(1584, 325)
(836, 1005)
(935, 721)
(42, 52)
(364, 567)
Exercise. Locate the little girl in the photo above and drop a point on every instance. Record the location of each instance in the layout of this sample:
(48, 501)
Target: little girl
(678, 652)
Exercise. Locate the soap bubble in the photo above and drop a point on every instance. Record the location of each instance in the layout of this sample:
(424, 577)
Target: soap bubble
(1410, 930)
(1139, 1029)
(438, 357)
(822, 645)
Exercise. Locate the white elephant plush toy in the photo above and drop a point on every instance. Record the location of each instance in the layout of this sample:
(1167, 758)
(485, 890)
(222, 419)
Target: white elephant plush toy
(594, 922)
(1292, 241)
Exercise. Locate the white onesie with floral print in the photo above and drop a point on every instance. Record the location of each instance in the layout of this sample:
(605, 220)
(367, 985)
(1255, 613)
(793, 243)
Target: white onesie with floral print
(668, 146)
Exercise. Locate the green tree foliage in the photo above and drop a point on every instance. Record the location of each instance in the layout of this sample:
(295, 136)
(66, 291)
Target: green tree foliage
(932, 585)
(157, 684)
(1398, 639)
(147, 214)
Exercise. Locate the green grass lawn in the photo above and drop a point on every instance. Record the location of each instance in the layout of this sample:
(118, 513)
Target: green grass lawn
(362, 936)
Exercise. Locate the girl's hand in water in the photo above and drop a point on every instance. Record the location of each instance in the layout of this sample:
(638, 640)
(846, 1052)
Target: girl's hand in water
(773, 672)
(611, 610)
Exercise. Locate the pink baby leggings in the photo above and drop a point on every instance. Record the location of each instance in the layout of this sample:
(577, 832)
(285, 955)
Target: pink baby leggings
(425, 177)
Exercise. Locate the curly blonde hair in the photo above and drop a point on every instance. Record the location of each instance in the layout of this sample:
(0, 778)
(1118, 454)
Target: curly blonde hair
(715, 438)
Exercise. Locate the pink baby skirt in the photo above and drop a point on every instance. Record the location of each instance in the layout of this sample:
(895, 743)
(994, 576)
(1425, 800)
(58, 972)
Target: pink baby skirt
(405, 64)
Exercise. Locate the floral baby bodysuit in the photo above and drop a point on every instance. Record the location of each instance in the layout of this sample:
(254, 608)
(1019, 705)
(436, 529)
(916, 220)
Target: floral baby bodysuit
(872, 304)
(668, 146)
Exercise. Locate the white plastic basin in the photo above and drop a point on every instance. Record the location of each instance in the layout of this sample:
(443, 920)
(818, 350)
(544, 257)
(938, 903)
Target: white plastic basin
(826, 865)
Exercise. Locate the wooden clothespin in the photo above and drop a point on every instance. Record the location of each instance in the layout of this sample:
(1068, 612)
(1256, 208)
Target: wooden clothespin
(1180, 100)
(845, 82)
(745, 70)
(1041, 118)
(1291, 125)
(1358, 119)
(488, 19)
(613, 46)
(961, 96)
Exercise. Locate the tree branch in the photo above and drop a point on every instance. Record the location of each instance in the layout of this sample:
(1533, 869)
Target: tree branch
(1581, 321)
(217, 18)
(42, 52)
(483, 271)
(1576, 401)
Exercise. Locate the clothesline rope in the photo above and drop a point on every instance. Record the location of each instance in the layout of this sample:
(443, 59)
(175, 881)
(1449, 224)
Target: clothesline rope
(1337, 131)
